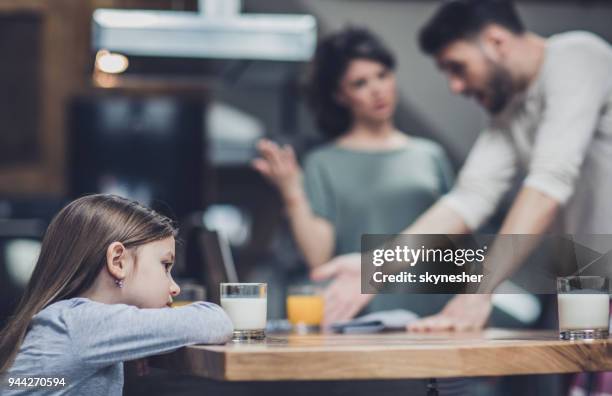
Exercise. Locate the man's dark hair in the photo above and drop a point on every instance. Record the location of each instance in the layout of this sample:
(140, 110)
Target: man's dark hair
(464, 19)
(333, 55)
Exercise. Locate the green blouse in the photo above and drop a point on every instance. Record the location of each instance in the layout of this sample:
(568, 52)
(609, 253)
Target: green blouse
(374, 192)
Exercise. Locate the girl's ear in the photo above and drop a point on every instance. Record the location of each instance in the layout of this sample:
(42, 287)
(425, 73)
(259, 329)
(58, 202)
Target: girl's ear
(116, 260)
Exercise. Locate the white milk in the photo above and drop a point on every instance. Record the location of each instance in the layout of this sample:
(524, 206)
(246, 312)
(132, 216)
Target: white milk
(582, 311)
(246, 313)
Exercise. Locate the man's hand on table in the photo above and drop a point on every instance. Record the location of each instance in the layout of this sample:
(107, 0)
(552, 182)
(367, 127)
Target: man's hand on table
(465, 312)
(343, 298)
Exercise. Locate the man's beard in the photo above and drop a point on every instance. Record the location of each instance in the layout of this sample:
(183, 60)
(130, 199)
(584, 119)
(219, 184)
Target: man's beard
(500, 89)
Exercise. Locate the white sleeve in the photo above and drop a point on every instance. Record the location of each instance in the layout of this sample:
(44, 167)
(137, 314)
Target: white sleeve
(485, 177)
(576, 85)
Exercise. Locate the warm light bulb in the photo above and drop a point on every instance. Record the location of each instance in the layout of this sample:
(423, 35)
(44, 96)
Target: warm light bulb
(112, 63)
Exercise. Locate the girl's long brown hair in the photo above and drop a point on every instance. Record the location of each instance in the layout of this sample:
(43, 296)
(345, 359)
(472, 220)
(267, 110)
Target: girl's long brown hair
(73, 253)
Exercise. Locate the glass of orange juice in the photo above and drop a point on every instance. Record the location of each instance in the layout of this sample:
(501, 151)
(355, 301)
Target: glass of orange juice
(305, 308)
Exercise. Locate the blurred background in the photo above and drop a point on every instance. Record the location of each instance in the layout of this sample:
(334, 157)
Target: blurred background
(138, 98)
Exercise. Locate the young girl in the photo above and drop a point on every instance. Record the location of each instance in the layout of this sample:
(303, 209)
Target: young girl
(100, 295)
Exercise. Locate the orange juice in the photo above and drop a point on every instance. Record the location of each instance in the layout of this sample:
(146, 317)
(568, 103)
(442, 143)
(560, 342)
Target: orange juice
(305, 309)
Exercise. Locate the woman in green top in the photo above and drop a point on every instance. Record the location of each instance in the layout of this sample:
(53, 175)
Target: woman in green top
(370, 178)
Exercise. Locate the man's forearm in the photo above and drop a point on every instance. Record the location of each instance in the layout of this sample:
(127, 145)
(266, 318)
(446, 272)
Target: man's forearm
(438, 219)
(532, 213)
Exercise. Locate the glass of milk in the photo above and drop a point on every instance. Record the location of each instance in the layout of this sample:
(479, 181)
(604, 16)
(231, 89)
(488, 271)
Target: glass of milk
(246, 305)
(584, 307)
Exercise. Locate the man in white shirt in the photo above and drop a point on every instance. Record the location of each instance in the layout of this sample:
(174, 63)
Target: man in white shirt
(550, 102)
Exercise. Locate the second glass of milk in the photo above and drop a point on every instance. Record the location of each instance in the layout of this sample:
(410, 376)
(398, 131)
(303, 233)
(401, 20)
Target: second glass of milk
(246, 305)
(584, 307)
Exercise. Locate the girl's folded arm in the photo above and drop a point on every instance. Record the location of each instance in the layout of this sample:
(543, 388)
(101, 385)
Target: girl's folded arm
(104, 334)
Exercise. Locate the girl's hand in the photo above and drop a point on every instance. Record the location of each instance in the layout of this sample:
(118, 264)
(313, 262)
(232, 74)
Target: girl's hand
(280, 167)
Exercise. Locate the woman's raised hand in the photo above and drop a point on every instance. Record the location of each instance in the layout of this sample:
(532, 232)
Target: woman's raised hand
(279, 165)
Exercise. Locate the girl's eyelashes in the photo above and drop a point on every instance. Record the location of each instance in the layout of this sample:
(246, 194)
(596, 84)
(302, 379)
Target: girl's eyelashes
(168, 265)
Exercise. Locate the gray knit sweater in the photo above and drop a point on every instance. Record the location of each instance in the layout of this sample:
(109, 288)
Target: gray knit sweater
(86, 342)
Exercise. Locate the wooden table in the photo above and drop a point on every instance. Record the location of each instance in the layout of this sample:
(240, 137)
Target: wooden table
(493, 352)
